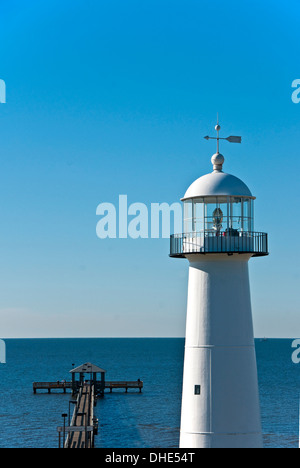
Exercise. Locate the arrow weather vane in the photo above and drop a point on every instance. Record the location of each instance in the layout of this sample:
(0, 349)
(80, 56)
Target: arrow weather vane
(231, 139)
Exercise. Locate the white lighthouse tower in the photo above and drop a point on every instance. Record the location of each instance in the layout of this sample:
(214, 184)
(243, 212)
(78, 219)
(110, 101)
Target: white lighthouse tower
(220, 401)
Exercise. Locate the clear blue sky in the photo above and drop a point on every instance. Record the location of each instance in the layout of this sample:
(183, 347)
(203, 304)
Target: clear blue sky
(110, 97)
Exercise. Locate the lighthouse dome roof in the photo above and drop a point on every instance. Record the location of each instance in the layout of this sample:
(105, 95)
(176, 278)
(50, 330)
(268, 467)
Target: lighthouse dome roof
(217, 183)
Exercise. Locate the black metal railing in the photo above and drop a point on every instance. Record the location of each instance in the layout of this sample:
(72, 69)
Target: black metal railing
(231, 242)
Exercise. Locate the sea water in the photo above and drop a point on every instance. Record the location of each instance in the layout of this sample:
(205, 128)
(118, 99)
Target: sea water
(131, 420)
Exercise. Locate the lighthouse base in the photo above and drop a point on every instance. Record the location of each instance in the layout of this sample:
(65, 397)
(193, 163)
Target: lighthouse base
(220, 401)
(220, 441)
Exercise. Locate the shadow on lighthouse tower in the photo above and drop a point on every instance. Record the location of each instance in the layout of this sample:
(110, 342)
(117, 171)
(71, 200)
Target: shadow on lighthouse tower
(220, 399)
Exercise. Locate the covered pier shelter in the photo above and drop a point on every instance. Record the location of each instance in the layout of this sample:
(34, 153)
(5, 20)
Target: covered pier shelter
(88, 372)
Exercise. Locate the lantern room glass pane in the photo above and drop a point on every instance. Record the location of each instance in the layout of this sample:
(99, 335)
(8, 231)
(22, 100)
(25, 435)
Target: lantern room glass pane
(229, 215)
(235, 216)
(188, 215)
(248, 215)
(198, 215)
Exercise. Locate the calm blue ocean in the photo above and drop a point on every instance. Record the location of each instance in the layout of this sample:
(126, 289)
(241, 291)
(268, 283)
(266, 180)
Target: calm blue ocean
(150, 419)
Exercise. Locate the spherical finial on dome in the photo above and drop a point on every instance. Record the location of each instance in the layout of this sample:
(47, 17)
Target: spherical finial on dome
(218, 161)
(218, 128)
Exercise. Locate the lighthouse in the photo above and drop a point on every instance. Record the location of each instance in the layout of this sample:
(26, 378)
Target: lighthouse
(220, 398)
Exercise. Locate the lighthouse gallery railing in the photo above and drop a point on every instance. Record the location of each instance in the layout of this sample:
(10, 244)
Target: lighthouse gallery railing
(219, 242)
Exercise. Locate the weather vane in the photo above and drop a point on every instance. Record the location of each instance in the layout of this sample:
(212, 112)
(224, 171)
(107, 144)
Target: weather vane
(231, 139)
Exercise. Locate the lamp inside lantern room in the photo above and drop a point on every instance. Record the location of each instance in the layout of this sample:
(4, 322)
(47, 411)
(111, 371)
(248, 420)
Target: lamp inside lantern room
(217, 219)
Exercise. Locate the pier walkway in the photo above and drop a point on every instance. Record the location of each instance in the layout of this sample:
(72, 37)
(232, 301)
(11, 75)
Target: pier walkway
(83, 426)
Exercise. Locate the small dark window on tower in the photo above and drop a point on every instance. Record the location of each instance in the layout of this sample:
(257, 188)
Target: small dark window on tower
(197, 389)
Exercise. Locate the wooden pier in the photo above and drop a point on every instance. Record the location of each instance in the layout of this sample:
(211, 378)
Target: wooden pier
(51, 386)
(82, 427)
(64, 386)
(124, 385)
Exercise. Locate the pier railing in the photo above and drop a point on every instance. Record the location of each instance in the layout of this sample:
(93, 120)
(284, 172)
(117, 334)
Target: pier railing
(124, 385)
(230, 242)
(51, 386)
(68, 385)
